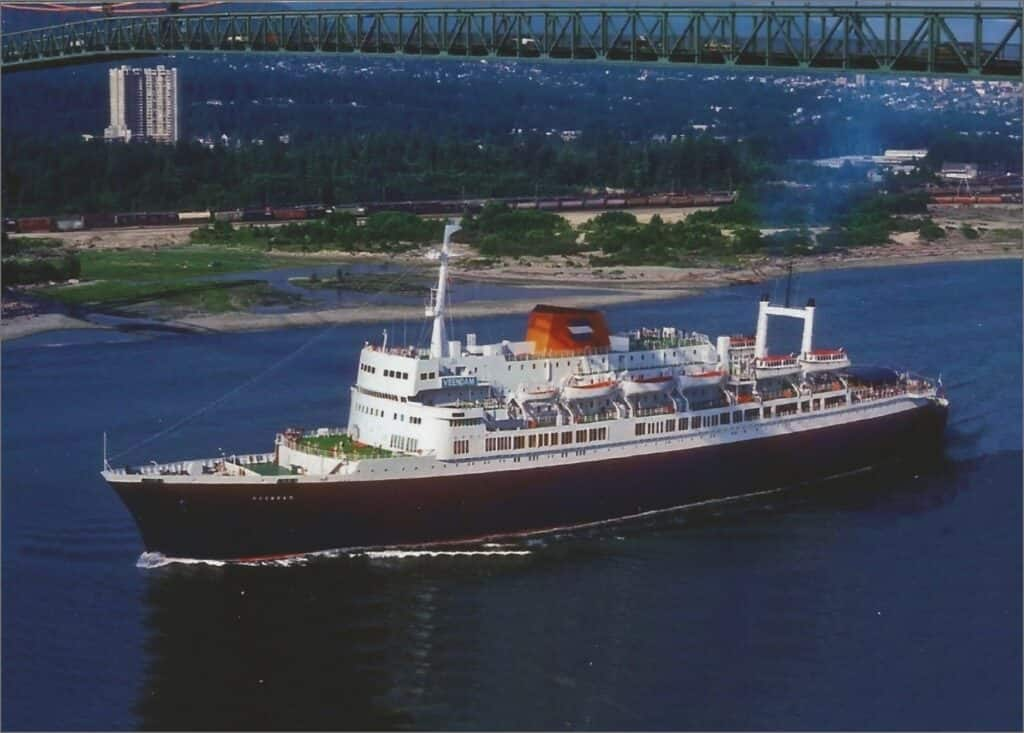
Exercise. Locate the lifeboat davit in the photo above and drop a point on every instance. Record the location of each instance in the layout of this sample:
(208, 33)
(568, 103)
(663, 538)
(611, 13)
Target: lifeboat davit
(640, 385)
(578, 388)
(535, 392)
(700, 376)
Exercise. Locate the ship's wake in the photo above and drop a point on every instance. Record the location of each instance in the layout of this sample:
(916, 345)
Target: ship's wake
(415, 554)
(155, 560)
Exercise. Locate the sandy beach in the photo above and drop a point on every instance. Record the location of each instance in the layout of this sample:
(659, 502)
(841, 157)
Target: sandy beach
(19, 326)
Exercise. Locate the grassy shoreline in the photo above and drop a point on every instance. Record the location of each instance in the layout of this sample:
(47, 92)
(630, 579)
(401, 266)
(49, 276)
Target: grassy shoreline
(618, 293)
(183, 283)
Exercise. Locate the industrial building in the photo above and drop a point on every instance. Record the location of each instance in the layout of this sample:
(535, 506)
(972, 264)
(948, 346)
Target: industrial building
(959, 171)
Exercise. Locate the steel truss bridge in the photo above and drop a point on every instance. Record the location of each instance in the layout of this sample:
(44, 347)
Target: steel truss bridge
(976, 41)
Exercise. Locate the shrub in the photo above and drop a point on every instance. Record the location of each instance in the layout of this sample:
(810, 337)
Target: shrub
(930, 231)
(30, 271)
(969, 232)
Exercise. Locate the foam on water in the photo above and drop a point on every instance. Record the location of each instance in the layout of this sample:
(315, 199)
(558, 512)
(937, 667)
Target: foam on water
(153, 560)
(407, 554)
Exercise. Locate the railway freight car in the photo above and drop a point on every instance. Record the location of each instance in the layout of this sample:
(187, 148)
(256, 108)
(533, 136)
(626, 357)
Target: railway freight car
(128, 220)
(98, 221)
(257, 215)
(68, 223)
(28, 224)
(193, 217)
(289, 213)
(161, 218)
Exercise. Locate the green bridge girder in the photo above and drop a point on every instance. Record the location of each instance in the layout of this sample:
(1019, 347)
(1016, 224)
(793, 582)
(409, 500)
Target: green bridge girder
(977, 41)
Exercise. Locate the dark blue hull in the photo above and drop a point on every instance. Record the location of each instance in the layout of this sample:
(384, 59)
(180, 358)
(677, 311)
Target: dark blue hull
(224, 520)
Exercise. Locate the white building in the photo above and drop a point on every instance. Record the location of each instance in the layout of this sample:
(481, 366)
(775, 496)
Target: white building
(143, 104)
(959, 171)
(905, 156)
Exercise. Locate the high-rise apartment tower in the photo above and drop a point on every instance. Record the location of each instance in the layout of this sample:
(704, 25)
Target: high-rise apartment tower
(143, 104)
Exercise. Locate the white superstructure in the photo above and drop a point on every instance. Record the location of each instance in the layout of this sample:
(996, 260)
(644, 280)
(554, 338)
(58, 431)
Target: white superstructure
(569, 385)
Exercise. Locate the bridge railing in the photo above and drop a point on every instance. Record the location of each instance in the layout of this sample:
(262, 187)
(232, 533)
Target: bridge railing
(974, 40)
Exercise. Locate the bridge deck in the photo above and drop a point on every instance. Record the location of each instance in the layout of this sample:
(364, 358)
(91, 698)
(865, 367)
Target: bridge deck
(971, 40)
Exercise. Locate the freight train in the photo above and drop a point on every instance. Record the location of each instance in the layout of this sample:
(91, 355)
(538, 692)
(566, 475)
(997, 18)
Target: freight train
(76, 222)
(967, 199)
(1004, 189)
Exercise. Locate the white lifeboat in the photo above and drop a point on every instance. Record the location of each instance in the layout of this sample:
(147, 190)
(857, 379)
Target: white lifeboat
(535, 392)
(647, 384)
(700, 375)
(584, 388)
(766, 367)
(820, 360)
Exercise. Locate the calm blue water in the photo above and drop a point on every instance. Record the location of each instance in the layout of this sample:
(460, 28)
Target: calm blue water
(880, 603)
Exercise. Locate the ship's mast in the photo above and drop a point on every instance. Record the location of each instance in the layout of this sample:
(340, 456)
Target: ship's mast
(437, 337)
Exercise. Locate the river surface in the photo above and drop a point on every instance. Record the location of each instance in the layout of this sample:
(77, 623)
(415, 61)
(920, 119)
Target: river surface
(884, 602)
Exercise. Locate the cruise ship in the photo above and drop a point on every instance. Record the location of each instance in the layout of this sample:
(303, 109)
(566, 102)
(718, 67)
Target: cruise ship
(462, 441)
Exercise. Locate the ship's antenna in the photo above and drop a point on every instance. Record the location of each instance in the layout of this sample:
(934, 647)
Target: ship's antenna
(789, 280)
(384, 345)
(106, 463)
(441, 294)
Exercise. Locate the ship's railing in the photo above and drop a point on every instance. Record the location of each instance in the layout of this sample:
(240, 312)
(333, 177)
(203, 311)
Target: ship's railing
(776, 362)
(588, 351)
(488, 404)
(781, 394)
(153, 468)
(411, 352)
(666, 342)
(635, 343)
(602, 416)
(830, 386)
(296, 440)
(824, 356)
(864, 394)
(920, 386)
(708, 405)
(204, 466)
(660, 410)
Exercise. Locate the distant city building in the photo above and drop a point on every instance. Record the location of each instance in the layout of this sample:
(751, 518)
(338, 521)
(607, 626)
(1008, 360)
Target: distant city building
(905, 156)
(143, 105)
(959, 171)
(894, 161)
